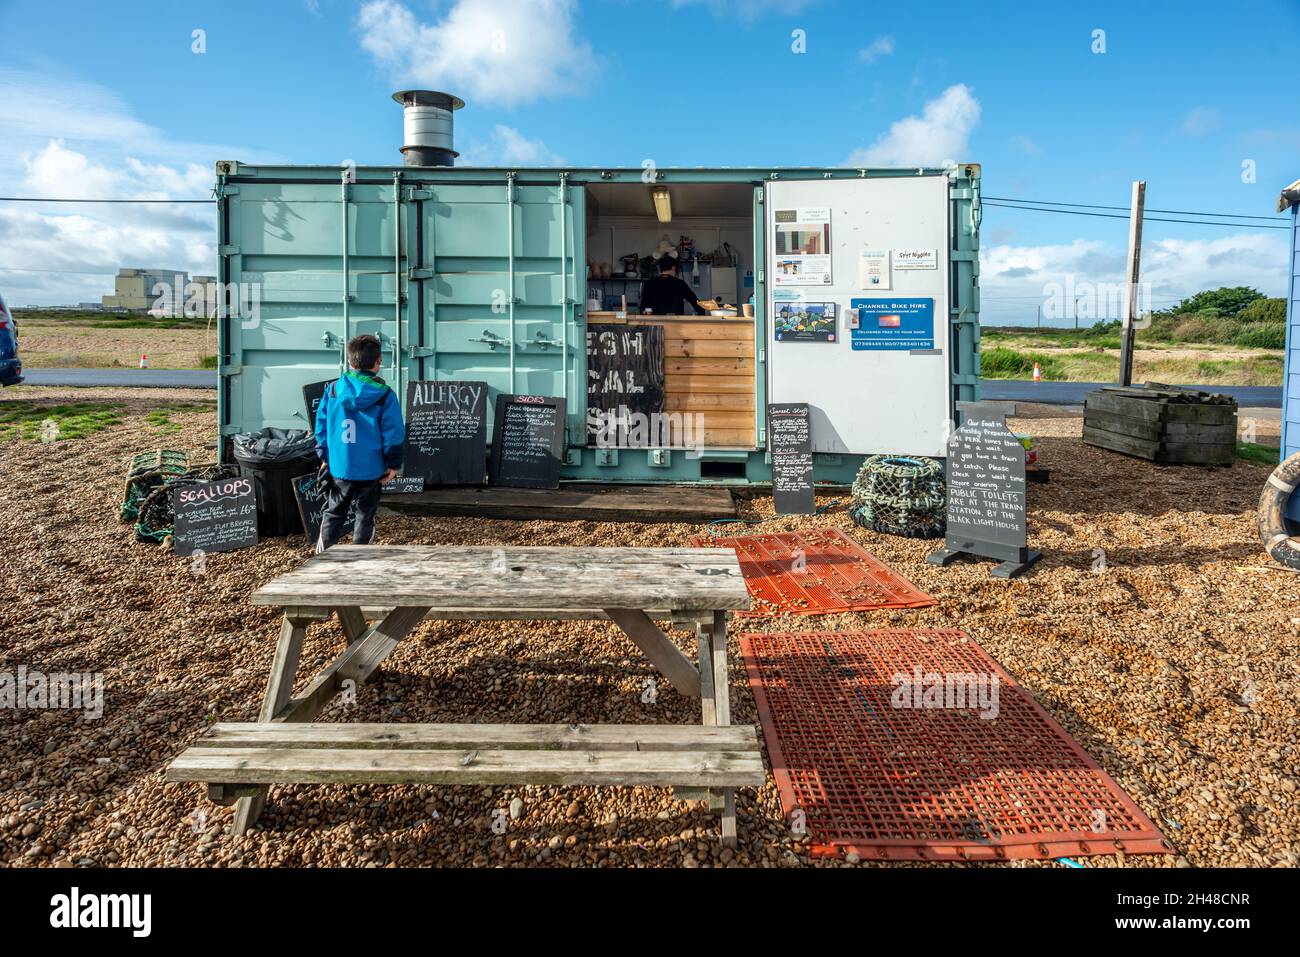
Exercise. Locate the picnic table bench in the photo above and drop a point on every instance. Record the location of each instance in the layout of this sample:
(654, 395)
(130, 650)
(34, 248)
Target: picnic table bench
(400, 586)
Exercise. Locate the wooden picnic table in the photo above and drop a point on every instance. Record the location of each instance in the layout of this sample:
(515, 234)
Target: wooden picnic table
(400, 586)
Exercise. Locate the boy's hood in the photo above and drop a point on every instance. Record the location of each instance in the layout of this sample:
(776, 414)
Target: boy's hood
(358, 391)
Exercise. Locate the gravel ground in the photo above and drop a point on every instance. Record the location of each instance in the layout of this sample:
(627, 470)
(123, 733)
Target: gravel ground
(1175, 665)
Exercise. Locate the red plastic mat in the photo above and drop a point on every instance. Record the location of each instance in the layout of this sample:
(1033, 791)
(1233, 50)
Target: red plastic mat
(935, 782)
(811, 573)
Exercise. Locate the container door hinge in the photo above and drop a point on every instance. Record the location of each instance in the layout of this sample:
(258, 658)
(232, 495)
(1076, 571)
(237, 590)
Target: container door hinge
(230, 191)
(419, 272)
(762, 355)
(414, 195)
(420, 352)
(228, 250)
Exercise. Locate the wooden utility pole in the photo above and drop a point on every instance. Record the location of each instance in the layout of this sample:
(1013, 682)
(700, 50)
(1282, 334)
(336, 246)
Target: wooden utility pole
(1127, 331)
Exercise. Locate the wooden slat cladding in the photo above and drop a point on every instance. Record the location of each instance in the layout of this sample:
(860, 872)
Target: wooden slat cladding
(709, 367)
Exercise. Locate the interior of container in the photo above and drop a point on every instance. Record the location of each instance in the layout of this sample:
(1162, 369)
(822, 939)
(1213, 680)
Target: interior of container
(710, 388)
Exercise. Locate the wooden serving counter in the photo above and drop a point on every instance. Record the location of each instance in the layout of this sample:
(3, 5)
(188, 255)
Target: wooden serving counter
(708, 368)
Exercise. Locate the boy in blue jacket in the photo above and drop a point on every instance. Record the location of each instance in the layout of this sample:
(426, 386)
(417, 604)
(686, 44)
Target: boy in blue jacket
(359, 437)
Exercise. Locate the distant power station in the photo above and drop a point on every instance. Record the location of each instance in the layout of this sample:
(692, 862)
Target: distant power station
(161, 292)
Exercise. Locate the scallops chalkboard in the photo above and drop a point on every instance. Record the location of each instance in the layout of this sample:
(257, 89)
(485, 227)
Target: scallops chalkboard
(446, 432)
(527, 441)
(214, 516)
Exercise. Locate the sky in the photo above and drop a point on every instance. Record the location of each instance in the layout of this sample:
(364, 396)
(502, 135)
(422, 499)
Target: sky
(1057, 102)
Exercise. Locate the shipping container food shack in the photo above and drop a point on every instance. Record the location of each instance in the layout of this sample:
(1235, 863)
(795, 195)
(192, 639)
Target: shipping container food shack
(853, 290)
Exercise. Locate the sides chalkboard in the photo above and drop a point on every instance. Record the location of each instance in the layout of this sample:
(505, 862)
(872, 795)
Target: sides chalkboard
(527, 441)
(312, 499)
(625, 378)
(446, 432)
(214, 516)
(311, 395)
(789, 436)
(986, 494)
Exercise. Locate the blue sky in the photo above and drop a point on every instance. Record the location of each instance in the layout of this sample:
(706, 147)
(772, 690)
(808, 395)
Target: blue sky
(110, 100)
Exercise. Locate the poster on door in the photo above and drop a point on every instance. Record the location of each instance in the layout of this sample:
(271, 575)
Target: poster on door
(891, 324)
(802, 246)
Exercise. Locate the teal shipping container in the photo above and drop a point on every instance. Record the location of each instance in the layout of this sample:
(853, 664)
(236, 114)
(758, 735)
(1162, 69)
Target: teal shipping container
(864, 289)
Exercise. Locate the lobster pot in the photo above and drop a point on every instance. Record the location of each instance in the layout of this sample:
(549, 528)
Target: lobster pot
(901, 495)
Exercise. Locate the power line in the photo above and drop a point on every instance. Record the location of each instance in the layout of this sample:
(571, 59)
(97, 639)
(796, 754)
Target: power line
(49, 199)
(1149, 219)
(1177, 212)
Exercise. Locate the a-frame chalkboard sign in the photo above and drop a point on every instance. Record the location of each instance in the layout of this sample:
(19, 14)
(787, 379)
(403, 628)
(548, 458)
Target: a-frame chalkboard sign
(986, 494)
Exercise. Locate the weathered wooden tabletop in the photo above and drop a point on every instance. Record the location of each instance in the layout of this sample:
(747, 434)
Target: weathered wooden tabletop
(494, 577)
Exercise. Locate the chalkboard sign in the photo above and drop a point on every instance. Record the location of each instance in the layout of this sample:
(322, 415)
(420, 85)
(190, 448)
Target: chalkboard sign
(214, 516)
(527, 441)
(446, 432)
(625, 378)
(789, 440)
(312, 393)
(312, 499)
(986, 494)
(404, 485)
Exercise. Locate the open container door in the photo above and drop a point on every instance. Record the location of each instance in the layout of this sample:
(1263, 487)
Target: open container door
(875, 251)
(496, 288)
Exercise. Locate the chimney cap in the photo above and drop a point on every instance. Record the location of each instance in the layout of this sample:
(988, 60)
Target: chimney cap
(428, 98)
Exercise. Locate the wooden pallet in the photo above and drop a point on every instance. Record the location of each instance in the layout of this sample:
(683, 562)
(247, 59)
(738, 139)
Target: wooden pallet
(1163, 424)
(572, 503)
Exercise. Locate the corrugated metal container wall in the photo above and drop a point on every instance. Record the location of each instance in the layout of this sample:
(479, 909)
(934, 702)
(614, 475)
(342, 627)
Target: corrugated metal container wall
(481, 274)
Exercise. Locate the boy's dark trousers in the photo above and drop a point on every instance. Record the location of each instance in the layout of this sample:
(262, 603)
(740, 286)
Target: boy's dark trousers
(341, 497)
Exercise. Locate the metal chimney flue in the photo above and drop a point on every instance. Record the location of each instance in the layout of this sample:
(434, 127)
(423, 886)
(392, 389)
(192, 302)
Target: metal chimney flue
(427, 127)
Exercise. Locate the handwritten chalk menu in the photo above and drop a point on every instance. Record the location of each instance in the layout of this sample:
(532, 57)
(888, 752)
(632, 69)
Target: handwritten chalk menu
(214, 516)
(789, 437)
(625, 378)
(527, 441)
(404, 485)
(312, 498)
(986, 494)
(446, 432)
(312, 393)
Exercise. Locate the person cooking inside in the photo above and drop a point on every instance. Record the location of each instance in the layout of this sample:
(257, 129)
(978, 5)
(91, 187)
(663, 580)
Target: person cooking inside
(666, 294)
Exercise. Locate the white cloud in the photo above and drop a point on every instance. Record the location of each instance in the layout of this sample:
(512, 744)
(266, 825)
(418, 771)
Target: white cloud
(879, 47)
(498, 52)
(1200, 120)
(507, 147)
(938, 137)
(68, 138)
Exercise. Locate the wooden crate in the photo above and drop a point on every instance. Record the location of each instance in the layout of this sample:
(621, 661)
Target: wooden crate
(1163, 424)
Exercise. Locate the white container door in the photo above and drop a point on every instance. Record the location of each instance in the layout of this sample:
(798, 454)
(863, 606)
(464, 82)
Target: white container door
(875, 253)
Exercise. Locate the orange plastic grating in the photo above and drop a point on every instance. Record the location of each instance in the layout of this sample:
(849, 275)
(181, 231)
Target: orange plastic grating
(811, 573)
(928, 783)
